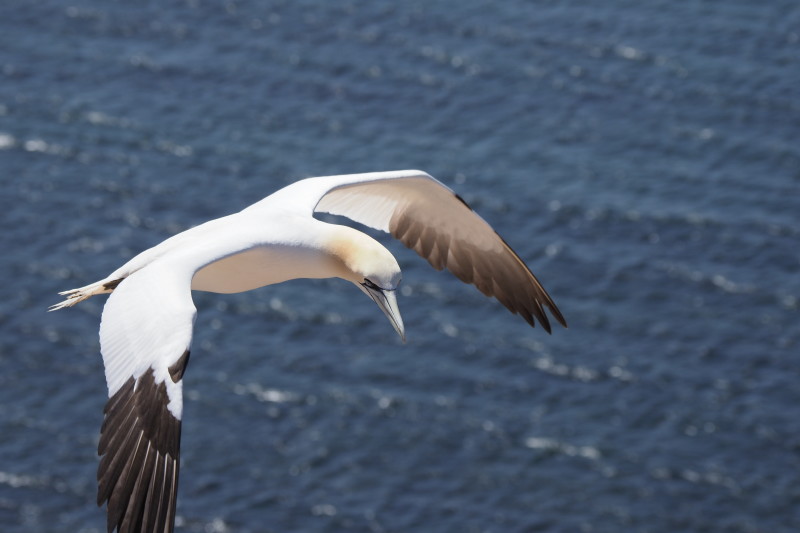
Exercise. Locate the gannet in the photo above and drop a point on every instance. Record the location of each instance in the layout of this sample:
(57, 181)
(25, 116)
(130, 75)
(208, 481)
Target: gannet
(147, 322)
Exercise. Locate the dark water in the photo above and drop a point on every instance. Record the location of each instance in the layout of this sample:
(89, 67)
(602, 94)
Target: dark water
(643, 157)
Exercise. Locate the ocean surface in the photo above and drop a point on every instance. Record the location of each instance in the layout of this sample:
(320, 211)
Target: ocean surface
(642, 157)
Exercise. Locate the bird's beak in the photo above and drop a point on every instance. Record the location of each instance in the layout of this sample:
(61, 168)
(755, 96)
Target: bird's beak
(387, 301)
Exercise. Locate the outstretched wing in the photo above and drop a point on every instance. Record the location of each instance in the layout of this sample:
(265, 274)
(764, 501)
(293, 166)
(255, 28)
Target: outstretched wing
(145, 336)
(438, 224)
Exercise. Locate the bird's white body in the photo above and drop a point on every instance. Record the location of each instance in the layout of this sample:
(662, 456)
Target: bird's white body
(147, 323)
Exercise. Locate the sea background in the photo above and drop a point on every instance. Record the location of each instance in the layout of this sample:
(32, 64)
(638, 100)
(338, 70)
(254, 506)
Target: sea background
(642, 157)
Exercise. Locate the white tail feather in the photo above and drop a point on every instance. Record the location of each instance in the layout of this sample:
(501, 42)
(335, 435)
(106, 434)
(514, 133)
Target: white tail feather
(75, 296)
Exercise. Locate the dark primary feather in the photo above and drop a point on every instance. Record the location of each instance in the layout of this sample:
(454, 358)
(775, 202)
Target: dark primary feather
(140, 449)
(441, 227)
(494, 268)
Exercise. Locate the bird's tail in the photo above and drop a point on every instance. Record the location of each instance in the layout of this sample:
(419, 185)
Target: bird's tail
(74, 296)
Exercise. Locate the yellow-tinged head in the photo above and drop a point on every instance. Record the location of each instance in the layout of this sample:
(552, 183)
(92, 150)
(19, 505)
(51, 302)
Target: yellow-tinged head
(364, 258)
(372, 268)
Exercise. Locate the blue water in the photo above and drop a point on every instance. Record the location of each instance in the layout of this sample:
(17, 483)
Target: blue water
(642, 157)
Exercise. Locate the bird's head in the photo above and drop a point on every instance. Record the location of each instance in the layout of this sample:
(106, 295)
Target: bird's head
(375, 271)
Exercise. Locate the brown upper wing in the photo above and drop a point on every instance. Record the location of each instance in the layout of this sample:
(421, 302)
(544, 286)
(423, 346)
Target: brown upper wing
(436, 223)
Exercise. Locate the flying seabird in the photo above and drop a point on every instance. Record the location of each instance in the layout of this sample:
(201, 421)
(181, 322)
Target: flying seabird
(147, 322)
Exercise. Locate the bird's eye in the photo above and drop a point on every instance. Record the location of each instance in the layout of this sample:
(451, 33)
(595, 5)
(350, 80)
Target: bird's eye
(368, 284)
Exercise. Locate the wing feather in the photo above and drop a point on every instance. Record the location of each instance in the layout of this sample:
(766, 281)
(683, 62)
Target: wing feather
(145, 335)
(432, 220)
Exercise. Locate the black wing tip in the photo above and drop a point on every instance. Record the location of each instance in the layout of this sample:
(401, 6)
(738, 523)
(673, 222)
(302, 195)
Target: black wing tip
(139, 461)
(556, 312)
(539, 315)
(557, 315)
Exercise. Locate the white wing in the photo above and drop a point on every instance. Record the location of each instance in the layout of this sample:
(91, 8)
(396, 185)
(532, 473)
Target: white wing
(435, 222)
(145, 335)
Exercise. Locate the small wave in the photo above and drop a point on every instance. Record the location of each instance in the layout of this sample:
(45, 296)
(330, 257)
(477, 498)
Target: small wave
(265, 394)
(695, 476)
(696, 276)
(548, 364)
(555, 445)
(7, 141)
(20, 480)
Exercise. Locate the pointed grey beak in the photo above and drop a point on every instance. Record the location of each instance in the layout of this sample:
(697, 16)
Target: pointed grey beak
(387, 301)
